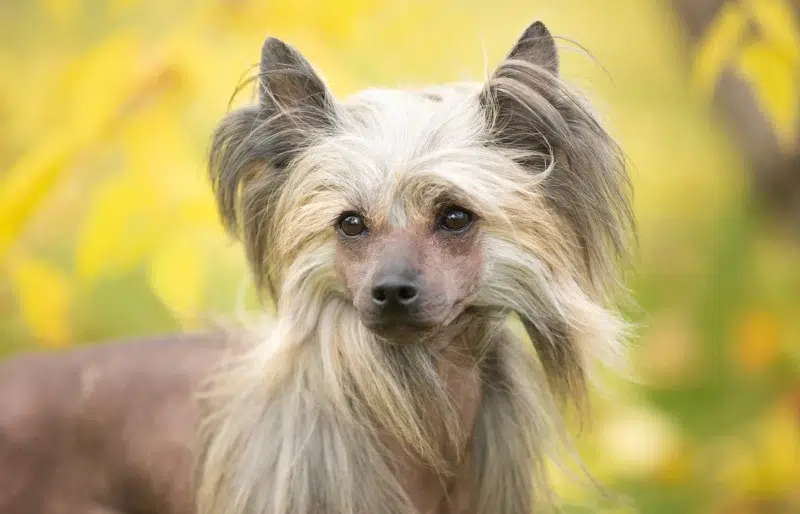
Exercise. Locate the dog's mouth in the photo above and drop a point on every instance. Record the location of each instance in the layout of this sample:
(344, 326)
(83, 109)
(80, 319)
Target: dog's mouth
(401, 331)
(416, 329)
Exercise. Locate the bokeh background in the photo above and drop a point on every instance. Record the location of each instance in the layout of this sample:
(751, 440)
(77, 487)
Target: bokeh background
(107, 226)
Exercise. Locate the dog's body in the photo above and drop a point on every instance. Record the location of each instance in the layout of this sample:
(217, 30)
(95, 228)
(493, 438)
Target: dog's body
(397, 231)
(104, 429)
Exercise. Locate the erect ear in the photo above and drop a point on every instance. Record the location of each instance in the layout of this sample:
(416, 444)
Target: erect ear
(253, 147)
(288, 84)
(530, 67)
(537, 46)
(548, 126)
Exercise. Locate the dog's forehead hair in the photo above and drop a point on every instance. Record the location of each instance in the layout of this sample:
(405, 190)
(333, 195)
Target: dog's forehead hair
(398, 214)
(390, 142)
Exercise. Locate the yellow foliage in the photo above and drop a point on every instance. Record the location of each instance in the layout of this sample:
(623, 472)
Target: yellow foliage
(62, 11)
(121, 5)
(26, 185)
(778, 24)
(765, 459)
(119, 231)
(120, 119)
(768, 61)
(332, 20)
(85, 122)
(44, 298)
(772, 66)
(719, 45)
(97, 87)
(779, 445)
(758, 344)
(176, 274)
(776, 81)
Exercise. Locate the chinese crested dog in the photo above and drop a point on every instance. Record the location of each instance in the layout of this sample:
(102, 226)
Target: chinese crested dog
(399, 232)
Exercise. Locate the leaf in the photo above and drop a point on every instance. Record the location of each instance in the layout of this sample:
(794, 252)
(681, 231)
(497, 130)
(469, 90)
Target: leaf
(719, 45)
(176, 275)
(779, 440)
(44, 297)
(119, 230)
(757, 341)
(96, 87)
(88, 119)
(770, 62)
(158, 152)
(26, 185)
(775, 79)
(778, 23)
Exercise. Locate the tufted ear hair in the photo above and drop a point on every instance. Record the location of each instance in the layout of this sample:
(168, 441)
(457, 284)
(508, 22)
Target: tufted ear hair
(253, 148)
(548, 128)
(529, 73)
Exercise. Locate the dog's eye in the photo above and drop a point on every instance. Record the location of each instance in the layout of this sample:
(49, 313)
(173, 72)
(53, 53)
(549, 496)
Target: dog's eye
(352, 225)
(456, 219)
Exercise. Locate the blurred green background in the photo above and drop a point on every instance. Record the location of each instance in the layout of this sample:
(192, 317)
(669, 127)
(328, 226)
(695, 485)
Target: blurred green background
(107, 226)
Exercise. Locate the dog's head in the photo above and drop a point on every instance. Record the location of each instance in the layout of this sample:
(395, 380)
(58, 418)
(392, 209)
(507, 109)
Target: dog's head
(416, 206)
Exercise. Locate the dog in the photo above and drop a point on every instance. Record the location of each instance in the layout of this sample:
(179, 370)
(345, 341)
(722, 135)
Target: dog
(401, 231)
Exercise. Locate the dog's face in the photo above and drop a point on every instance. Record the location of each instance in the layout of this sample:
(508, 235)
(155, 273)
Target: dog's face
(403, 235)
(416, 274)
(414, 206)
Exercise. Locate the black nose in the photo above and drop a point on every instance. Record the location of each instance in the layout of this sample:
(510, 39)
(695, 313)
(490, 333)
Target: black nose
(395, 293)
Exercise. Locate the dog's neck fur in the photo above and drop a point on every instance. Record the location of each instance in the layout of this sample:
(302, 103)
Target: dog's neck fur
(441, 436)
(431, 491)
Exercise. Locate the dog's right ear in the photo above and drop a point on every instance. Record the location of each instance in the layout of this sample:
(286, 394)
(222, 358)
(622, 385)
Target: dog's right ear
(537, 46)
(253, 148)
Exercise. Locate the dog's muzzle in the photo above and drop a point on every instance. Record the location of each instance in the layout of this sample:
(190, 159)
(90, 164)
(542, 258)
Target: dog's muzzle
(396, 303)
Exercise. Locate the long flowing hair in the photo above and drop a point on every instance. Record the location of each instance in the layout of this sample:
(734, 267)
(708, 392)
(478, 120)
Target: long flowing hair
(299, 421)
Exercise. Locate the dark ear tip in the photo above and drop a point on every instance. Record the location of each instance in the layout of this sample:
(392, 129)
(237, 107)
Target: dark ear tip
(537, 29)
(537, 45)
(273, 42)
(272, 45)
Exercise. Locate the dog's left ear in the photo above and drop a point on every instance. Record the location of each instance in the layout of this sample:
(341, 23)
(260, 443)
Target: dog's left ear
(537, 46)
(287, 83)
